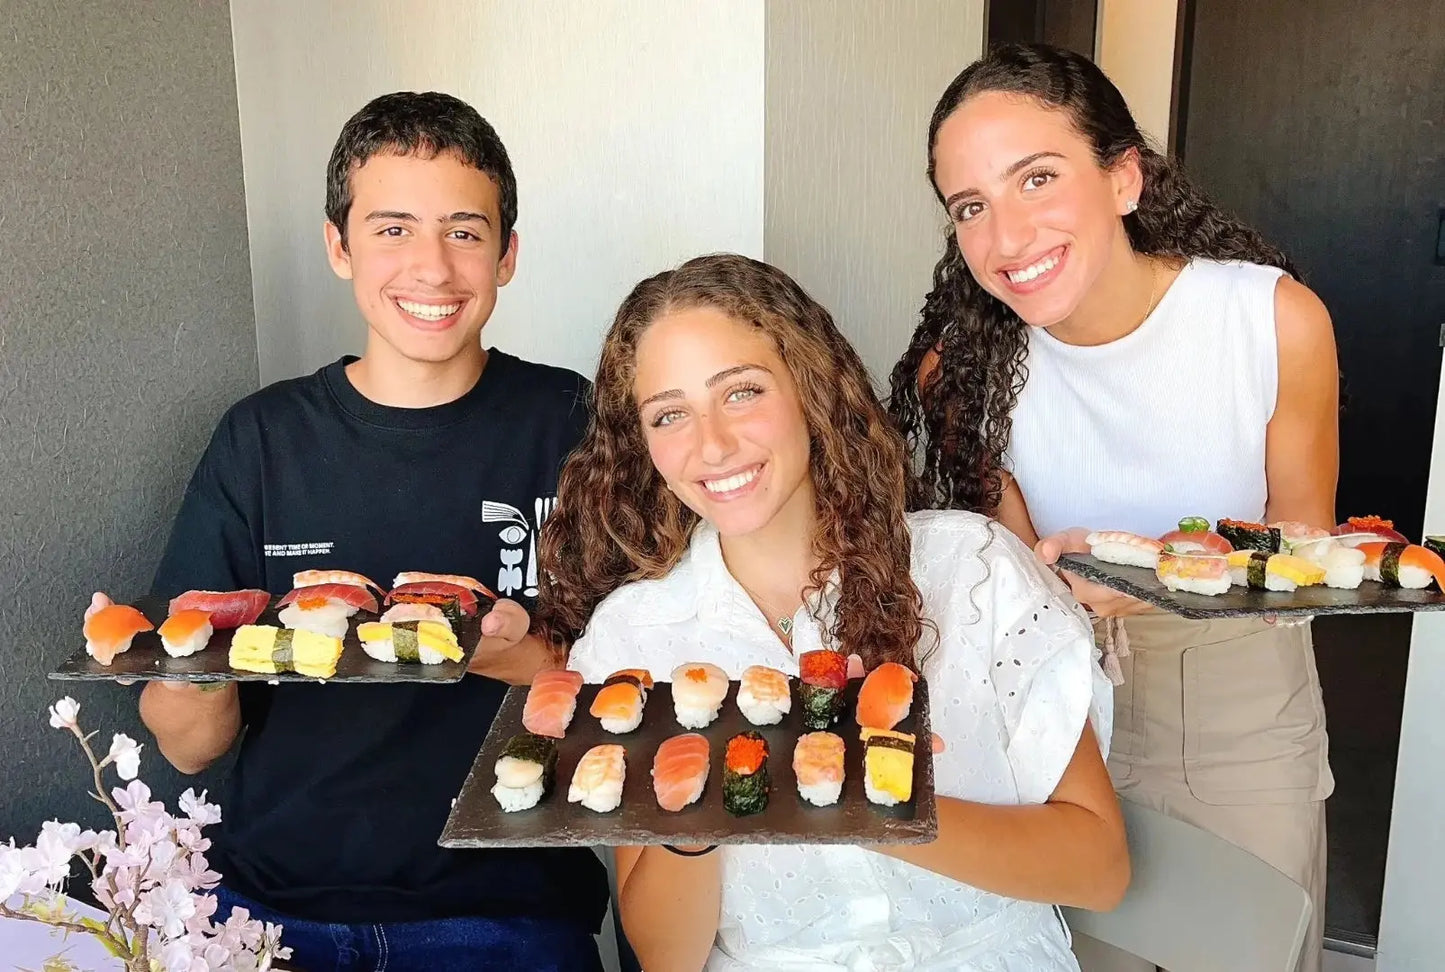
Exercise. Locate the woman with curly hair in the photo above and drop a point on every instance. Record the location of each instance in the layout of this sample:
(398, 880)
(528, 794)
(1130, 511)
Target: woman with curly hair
(1104, 348)
(739, 499)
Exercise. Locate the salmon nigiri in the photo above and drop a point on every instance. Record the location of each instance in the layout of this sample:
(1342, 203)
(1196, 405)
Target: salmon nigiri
(186, 632)
(886, 696)
(109, 631)
(619, 702)
(1403, 565)
(679, 770)
(551, 703)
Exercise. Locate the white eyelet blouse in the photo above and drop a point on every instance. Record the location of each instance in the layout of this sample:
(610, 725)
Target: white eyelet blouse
(1012, 679)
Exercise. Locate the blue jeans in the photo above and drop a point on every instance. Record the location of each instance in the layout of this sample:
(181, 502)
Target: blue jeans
(439, 945)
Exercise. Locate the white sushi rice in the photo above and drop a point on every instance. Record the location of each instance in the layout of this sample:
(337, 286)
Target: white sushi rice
(519, 784)
(189, 646)
(825, 793)
(603, 798)
(331, 620)
(695, 717)
(881, 797)
(1125, 554)
(762, 712)
(385, 651)
(1344, 566)
(1198, 585)
(622, 725)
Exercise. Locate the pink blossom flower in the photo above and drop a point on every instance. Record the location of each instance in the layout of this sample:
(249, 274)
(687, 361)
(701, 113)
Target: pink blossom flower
(196, 808)
(166, 908)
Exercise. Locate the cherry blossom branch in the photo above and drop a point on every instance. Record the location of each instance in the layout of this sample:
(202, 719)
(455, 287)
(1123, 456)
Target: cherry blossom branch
(69, 926)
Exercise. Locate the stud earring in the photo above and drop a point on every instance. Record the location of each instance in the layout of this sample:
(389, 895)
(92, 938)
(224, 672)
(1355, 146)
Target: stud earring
(1133, 205)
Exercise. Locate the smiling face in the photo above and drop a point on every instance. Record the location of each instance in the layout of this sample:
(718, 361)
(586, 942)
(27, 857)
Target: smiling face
(722, 419)
(1038, 221)
(424, 255)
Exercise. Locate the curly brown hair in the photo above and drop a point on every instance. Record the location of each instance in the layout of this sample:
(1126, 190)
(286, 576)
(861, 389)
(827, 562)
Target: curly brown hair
(616, 521)
(961, 421)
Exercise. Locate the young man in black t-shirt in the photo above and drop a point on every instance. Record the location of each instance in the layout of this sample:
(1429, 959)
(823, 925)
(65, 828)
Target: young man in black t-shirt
(426, 453)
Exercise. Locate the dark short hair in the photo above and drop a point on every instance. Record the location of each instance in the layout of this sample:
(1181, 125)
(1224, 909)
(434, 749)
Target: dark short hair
(424, 124)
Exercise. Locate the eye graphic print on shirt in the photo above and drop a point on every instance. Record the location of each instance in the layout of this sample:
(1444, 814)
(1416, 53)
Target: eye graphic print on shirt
(519, 542)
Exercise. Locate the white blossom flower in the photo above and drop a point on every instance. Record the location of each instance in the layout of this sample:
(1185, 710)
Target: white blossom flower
(13, 872)
(50, 858)
(166, 908)
(125, 753)
(198, 809)
(63, 713)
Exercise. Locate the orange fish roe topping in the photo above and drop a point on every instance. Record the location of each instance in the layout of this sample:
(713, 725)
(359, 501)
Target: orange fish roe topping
(746, 753)
(696, 674)
(1371, 523)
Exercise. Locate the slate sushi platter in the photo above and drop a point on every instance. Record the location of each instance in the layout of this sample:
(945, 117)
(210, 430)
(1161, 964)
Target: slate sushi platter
(1371, 597)
(477, 820)
(146, 660)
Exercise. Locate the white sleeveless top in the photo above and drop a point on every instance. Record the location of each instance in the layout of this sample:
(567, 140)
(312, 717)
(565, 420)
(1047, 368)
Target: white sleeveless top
(1166, 422)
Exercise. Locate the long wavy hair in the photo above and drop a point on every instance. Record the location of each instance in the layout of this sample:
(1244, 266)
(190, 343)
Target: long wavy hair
(960, 418)
(616, 521)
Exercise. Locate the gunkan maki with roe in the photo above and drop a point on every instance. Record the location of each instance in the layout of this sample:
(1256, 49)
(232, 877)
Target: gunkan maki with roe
(823, 675)
(745, 774)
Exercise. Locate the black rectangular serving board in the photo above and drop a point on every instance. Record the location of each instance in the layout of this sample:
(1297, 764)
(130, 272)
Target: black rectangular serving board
(146, 660)
(1371, 597)
(477, 820)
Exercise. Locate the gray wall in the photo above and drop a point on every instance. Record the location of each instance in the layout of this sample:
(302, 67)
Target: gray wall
(126, 328)
(847, 207)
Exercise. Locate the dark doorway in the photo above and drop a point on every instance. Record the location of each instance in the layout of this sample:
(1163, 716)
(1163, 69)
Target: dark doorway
(1321, 124)
(1063, 23)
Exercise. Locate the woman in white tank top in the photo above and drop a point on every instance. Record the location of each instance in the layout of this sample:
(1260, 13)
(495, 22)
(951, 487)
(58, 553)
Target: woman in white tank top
(1103, 348)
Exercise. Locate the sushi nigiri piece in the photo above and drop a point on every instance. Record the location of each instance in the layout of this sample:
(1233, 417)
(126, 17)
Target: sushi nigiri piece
(1273, 572)
(1344, 566)
(597, 781)
(1195, 573)
(427, 642)
(551, 703)
(1403, 565)
(109, 631)
(415, 612)
(818, 767)
(1121, 547)
(763, 695)
(698, 690)
(886, 696)
(228, 609)
(312, 578)
(525, 771)
(1368, 529)
(745, 774)
(823, 675)
(888, 766)
(618, 704)
(454, 599)
(1250, 536)
(271, 650)
(324, 608)
(409, 577)
(679, 770)
(186, 632)
(1194, 536)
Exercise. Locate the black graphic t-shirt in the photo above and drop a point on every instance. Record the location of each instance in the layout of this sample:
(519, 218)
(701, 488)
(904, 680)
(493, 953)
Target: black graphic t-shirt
(339, 792)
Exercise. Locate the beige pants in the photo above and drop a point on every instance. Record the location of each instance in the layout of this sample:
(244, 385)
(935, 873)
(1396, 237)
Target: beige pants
(1220, 724)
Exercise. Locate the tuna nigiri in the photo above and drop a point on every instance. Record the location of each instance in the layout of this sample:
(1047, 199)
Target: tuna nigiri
(886, 696)
(228, 609)
(311, 578)
(186, 632)
(618, 704)
(109, 631)
(1121, 547)
(1368, 529)
(679, 770)
(1403, 565)
(551, 703)
(408, 577)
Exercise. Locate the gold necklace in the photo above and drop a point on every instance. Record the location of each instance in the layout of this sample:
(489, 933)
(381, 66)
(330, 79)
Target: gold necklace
(784, 623)
(1153, 290)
